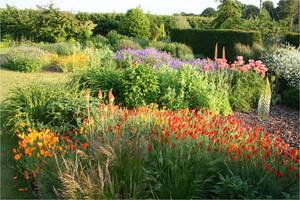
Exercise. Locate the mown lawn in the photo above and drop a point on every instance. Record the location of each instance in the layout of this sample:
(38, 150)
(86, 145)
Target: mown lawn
(10, 180)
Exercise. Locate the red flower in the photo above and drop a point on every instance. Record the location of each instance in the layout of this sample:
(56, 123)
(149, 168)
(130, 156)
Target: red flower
(279, 174)
(267, 166)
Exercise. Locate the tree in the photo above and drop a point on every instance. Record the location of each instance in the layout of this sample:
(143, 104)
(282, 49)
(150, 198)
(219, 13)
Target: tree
(250, 11)
(136, 24)
(228, 15)
(208, 12)
(288, 10)
(179, 22)
(269, 6)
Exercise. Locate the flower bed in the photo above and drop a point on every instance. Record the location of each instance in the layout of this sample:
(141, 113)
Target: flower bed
(150, 153)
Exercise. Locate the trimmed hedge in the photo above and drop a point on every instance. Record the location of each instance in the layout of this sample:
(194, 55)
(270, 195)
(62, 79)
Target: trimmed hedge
(203, 41)
(292, 39)
(290, 98)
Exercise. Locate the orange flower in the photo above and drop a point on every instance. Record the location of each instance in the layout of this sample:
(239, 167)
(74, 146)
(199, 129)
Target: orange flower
(23, 189)
(17, 156)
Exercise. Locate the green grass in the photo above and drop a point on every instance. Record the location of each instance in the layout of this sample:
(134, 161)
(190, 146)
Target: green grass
(9, 80)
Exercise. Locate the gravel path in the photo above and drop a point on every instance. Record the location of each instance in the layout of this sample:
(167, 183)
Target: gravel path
(282, 119)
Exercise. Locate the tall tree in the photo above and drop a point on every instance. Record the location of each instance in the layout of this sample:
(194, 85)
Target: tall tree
(250, 11)
(269, 6)
(228, 15)
(208, 12)
(288, 10)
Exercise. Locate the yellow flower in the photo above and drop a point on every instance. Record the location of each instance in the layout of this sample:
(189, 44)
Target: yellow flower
(22, 124)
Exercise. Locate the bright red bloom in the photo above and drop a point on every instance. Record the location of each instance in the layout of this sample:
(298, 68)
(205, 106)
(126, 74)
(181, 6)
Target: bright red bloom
(279, 174)
(267, 166)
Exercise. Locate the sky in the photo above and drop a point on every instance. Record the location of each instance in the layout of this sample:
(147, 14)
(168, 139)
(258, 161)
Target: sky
(164, 7)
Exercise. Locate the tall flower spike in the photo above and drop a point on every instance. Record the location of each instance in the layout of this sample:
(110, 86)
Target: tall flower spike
(87, 95)
(111, 97)
(100, 96)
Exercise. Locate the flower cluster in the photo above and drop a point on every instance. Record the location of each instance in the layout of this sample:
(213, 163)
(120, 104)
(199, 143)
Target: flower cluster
(156, 59)
(284, 62)
(37, 144)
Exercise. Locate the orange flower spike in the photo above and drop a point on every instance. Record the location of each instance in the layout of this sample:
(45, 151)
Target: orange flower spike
(111, 97)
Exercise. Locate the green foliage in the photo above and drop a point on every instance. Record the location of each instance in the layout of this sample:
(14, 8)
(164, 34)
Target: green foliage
(264, 101)
(62, 48)
(203, 41)
(157, 32)
(208, 12)
(179, 22)
(250, 11)
(99, 41)
(284, 62)
(292, 39)
(17, 23)
(177, 49)
(248, 52)
(136, 24)
(187, 87)
(228, 15)
(114, 37)
(140, 86)
(102, 57)
(26, 59)
(290, 98)
(98, 78)
(41, 105)
(246, 91)
(127, 44)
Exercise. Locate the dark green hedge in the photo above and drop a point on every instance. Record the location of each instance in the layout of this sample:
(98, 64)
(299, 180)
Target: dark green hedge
(290, 97)
(203, 41)
(292, 38)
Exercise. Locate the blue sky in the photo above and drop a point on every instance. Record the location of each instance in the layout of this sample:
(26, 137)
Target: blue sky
(152, 6)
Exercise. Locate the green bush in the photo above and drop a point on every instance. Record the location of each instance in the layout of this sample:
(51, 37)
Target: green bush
(290, 97)
(99, 41)
(246, 91)
(248, 52)
(26, 59)
(62, 48)
(292, 39)
(41, 105)
(178, 50)
(203, 41)
(140, 86)
(127, 44)
(102, 57)
(187, 87)
(114, 37)
(104, 79)
(284, 62)
(136, 24)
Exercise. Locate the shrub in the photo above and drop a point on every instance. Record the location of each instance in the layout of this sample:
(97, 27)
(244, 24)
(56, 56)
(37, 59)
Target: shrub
(290, 97)
(136, 24)
(26, 59)
(292, 39)
(127, 44)
(246, 91)
(285, 63)
(179, 22)
(99, 57)
(62, 48)
(104, 79)
(140, 86)
(114, 37)
(203, 41)
(39, 105)
(248, 52)
(99, 41)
